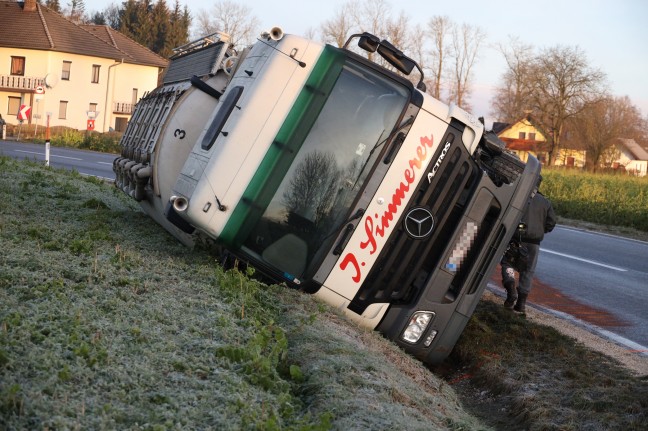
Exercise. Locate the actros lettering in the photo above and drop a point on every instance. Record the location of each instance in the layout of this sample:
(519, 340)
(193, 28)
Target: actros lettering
(436, 166)
(376, 226)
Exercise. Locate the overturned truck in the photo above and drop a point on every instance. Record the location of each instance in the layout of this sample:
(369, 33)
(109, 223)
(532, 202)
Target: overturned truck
(332, 174)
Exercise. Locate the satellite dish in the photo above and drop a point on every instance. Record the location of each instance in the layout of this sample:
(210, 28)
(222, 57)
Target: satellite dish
(51, 80)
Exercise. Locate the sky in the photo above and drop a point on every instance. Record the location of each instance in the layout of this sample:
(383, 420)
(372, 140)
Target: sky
(613, 34)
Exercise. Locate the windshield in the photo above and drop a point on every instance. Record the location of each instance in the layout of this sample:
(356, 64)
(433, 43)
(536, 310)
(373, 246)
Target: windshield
(314, 200)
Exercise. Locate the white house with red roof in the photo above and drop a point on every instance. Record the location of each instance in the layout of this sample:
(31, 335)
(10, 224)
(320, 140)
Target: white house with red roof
(79, 76)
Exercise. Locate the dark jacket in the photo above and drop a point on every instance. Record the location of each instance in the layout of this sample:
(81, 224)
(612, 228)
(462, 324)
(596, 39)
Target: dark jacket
(539, 219)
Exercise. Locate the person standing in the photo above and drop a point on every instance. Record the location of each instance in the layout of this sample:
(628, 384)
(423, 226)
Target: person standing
(538, 219)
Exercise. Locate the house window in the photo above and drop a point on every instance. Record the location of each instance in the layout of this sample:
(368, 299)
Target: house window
(120, 124)
(13, 106)
(65, 73)
(92, 111)
(17, 65)
(532, 136)
(95, 73)
(522, 135)
(63, 109)
(134, 99)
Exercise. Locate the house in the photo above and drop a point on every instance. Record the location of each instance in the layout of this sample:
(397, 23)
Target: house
(78, 76)
(631, 156)
(523, 137)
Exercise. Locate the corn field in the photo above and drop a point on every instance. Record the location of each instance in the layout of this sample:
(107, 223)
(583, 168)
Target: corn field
(618, 200)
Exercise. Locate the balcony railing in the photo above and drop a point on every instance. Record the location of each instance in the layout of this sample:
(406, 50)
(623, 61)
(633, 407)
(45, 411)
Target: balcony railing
(123, 108)
(25, 83)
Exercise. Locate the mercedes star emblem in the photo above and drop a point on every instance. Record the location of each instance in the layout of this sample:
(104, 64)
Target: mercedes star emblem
(419, 222)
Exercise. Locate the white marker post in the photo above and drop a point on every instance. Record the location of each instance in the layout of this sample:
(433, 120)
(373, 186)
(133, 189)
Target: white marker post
(47, 141)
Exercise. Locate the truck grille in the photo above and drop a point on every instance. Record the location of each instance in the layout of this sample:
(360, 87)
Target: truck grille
(405, 262)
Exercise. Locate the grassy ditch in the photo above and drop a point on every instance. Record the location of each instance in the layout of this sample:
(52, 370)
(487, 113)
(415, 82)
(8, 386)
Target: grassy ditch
(516, 374)
(106, 322)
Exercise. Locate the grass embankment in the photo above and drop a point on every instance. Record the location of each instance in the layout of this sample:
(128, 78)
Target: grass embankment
(107, 323)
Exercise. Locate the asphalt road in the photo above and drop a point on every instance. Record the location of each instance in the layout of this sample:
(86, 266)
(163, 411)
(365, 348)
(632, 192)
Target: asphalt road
(85, 162)
(607, 275)
(595, 279)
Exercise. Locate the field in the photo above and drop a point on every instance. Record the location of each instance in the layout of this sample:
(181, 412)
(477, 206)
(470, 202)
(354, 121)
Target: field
(108, 323)
(616, 200)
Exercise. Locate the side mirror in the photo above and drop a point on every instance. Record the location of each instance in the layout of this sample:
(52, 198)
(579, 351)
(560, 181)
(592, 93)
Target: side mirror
(395, 57)
(368, 42)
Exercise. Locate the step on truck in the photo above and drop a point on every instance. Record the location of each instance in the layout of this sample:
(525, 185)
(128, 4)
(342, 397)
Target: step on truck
(331, 172)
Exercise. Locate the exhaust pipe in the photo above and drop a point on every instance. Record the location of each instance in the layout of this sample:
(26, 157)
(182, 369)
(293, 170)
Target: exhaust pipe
(180, 204)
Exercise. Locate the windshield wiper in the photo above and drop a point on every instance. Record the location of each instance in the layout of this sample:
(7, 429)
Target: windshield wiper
(347, 230)
(379, 144)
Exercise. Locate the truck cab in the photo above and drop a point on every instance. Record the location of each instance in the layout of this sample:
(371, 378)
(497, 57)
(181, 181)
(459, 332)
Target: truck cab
(332, 174)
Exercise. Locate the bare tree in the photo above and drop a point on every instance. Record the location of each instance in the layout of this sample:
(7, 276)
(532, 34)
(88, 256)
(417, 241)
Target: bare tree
(338, 29)
(561, 84)
(510, 101)
(313, 187)
(600, 123)
(76, 11)
(439, 31)
(229, 17)
(371, 16)
(466, 41)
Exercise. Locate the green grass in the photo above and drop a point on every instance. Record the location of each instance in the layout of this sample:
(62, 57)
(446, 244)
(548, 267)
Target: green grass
(107, 323)
(617, 200)
(538, 379)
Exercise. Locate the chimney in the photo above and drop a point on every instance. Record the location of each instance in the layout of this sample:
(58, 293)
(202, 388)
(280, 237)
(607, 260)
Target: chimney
(29, 6)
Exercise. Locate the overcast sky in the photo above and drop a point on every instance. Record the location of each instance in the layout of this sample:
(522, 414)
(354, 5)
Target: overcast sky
(613, 34)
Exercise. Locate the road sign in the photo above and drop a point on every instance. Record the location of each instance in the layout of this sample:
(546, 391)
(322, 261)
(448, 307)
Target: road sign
(23, 112)
(90, 124)
(40, 89)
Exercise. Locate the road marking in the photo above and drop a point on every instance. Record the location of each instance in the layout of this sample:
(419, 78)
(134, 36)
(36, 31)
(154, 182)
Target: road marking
(616, 268)
(105, 163)
(51, 155)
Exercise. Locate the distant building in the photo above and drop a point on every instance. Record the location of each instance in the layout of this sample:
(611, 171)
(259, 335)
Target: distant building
(81, 75)
(523, 137)
(631, 157)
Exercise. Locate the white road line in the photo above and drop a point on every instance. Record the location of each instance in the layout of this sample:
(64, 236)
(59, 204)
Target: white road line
(616, 268)
(51, 155)
(105, 163)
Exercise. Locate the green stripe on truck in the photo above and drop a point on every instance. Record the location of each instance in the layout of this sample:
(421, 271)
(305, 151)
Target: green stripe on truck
(284, 148)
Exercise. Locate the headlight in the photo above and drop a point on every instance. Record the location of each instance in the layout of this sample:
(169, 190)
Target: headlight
(417, 325)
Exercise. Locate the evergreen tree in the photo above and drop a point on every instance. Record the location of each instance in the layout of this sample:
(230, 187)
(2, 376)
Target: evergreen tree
(160, 28)
(128, 18)
(152, 25)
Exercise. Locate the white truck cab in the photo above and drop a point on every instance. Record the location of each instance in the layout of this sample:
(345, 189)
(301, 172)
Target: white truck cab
(331, 174)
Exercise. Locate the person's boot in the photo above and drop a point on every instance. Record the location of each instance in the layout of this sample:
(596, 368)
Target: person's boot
(520, 305)
(511, 295)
